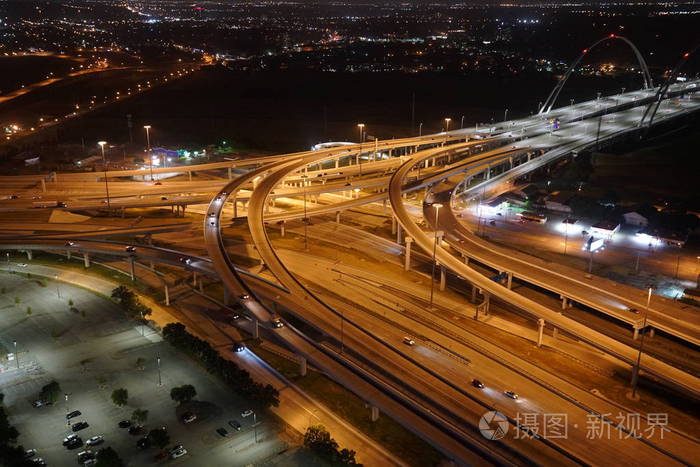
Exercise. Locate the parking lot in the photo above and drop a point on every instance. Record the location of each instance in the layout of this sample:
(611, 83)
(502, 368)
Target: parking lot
(90, 348)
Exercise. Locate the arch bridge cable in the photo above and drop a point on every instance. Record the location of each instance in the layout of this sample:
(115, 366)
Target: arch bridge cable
(551, 99)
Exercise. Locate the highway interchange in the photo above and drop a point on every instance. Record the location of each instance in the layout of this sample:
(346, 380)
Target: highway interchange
(425, 387)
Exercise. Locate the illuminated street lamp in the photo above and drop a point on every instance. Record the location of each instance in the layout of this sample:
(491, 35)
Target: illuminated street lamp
(420, 129)
(104, 165)
(16, 354)
(437, 207)
(361, 128)
(635, 370)
(160, 382)
(447, 127)
(148, 146)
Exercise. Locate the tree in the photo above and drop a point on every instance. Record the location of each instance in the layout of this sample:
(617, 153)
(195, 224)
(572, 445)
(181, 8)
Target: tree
(159, 437)
(18, 300)
(108, 457)
(139, 415)
(120, 397)
(50, 392)
(183, 393)
(319, 440)
(130, 302)
(139, 363)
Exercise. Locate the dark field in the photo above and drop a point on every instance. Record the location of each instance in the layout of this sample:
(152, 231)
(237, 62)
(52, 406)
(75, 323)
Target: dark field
(291, 111)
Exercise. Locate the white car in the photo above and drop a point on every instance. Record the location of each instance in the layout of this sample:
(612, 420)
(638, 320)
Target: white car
(22, 265)
(247, 413)
(409, 341)
(179, 453)
(95, 440)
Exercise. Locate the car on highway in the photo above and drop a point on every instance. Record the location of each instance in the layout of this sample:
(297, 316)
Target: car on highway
(234, 424)
(277, 323)
(130, 249)
(408, 341)
(125, 424)
(70, 244)
(247, 413)
(73, 414)
(244, 297)
(95, 440)
(212, 214)
(179, 453)
(223, 432)
(511, 394)
(188, 417)
(238, 347)
(477, 384)
(186, 260)
(633, 310)
(163, 198)
(234, 317)
(80, 426)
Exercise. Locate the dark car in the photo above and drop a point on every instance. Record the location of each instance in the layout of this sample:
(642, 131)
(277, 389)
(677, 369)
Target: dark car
(235, 425)
(130, 249)
(135, 429)
(238, 347)
(143, 443)
(222, 432)
(74, 443)
(477, 384)
(511, 394)
(73, 414)
(80, 426)
(125, 424)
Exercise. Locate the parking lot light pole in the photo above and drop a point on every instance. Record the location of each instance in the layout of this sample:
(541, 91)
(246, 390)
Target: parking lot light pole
(67, 409)
(160, 382)
(58, 291)
(142, 324)
(255, 423)
(16, 354)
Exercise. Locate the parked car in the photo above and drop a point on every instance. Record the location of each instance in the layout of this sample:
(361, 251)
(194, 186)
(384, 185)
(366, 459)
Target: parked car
(511, 394)
(247, 413)
(634, 310)
(70, 243)
(177, 447)
(73, 414)
(222, 432)
(135, 429)
(80, 426)
(70, 438)
(38, 461)
(85, 455)
(235, 425)
(188, 417)
(477, 384)
(74, 443)
(89, 462)
(179, 453)
(95, 440)
(125, 424)
(143, 443)
(29, 453)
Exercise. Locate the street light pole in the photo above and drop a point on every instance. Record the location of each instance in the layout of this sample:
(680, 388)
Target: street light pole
(148, 146)
(420, 129)
(437, 207)
(104, 165)
(505, 116)
(635, 371)
(16, 354)
(160, 382)
(361, 127)
(58, 291)
(447, 128)
(306, 219)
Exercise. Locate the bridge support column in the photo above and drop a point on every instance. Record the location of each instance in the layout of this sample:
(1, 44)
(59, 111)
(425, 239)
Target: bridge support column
(443, 277)
(473, 293)
(635, 333)
(509, 284)
(282, 228)
(564, 303)
(540, 332)
(407, 259)
(29, 255)
(466, 259)
(194, 278)
(235, 208)
(256, 331)
(398, 233)
(227, 296)
(167, 294)
(555, 331)
(201, 285)
(189, 174)
(68, 252)
(302, 366)
(393, 224)
(374, 415)
(43, 185)
(229, 173)
(652, 332)
(337, 163)
(337, 217)
(86, 259)
(132, 269)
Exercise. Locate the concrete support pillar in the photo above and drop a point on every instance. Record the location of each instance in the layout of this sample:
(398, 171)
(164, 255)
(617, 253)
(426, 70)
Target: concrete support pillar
(68, 252)
(201, 285)
(407, 259)
(29, 255)
(194, 278)
(86, 259)
(43, 185)
(189, 174)
(488, 172)
(229, 173)
(473, 294)
(486, 304)
(374, 416)
(167, 294)
(282, 223)
(235, 208)
(132, 268)
(183, 210)
(337, 217)
(635, 333)
(443, 277)
(302, 366)
(393, 224)
(399, 230)
(509, 284)
(564, 302)
(652, 332)
(337, 162)
(227, 296)
(256, 331)
(466, 259)
(540, 332)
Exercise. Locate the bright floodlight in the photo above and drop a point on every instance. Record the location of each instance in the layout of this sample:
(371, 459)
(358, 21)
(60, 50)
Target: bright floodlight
(102, 143)
(437, 205)
(147, 127)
